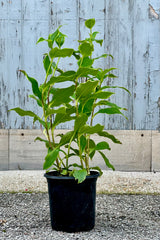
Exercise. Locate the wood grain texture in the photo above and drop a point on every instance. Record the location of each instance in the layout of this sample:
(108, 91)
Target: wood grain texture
(131, 33)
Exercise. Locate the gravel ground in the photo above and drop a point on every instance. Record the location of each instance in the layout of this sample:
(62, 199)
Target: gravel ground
(130, 217)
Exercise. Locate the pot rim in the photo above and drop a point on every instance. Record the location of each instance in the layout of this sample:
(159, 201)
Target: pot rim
(94, 174)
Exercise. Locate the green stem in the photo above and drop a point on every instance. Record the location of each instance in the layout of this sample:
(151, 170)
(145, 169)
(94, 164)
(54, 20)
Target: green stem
(80, 153)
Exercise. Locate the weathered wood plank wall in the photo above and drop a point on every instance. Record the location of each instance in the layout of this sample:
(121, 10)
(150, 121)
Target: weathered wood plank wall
(131, 33)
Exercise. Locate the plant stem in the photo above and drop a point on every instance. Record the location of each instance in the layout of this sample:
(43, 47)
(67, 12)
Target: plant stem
(80, 153)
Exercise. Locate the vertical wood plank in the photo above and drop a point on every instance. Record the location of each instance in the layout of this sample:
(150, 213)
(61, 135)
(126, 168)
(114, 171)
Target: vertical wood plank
(131, 32)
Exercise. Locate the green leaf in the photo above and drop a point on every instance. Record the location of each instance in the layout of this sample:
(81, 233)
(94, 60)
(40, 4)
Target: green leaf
(92, 146)
(98, 169)
(80, 121)
(64, 52)
(64, 172)
(85, 62)
(108, 70)
(88, 107)
(102, 56)
(40, 139)
(75, 150)
(61, 118)
(76, 55)
(60, 39)
(110, 136)
(23, 113)
(66, 138)
(75, 165)
(102, 145)
(34, 83)
(83, 72)
(86, 49)
(61, 95)
(61, 78)
(50, 158)
(108, 164)
(104, 102)
(117, 87)
(80, 175)
(46, 63)
(41, 39)
(111, 110)
(100, 41)
(54, 35)
(83, 143)
(85, 89)
(90, 23)
(110, 75)
(39, 102)
(91, 129)
(53, 111)
(102, 94)
(94, 34)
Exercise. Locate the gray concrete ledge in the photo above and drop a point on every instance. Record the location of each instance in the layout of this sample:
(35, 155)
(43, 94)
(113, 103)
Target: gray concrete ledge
(110, 182)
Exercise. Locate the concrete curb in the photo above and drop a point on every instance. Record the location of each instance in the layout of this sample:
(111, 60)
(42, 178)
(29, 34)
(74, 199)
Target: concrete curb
(110, 182)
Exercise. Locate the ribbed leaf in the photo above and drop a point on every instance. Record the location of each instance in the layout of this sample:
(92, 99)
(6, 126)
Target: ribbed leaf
(90, 23)
(102, 56)
(110, 136)
(85, 89)
(86, 49)
(46, 63)
(61, 78)
(111, 110)
(102, 145)
(102, 94)
(80, 121)
(34, 83)
(61, 95)
(117, 87)
(54, 111)
(100, 41)
(22, 112)
(84, 71)
(92, 146)
(108, 164)
(60, 39)
(41, 39)
(80, 175)
(40, 139)
(83, 143)
(107, 103)
(66, 138)
(64, 52)
(85, 62)
(110, 75)
(50, 158)
(61, 118)
(91, 129)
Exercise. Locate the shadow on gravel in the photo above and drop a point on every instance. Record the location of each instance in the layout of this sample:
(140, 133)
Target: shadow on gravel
(26, 216)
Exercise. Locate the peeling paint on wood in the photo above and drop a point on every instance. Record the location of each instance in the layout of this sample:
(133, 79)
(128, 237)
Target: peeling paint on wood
(131, 33)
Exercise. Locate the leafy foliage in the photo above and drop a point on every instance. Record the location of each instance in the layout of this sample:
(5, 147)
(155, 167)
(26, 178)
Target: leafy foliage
(79, 102)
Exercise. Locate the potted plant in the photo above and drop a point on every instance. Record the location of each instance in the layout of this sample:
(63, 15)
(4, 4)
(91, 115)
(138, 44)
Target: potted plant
(72, 186)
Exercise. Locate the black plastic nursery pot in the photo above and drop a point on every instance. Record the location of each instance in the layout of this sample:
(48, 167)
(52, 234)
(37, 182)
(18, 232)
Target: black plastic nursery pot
(72, 205)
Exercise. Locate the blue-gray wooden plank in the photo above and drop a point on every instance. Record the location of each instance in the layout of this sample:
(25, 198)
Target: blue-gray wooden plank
(131, 33)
